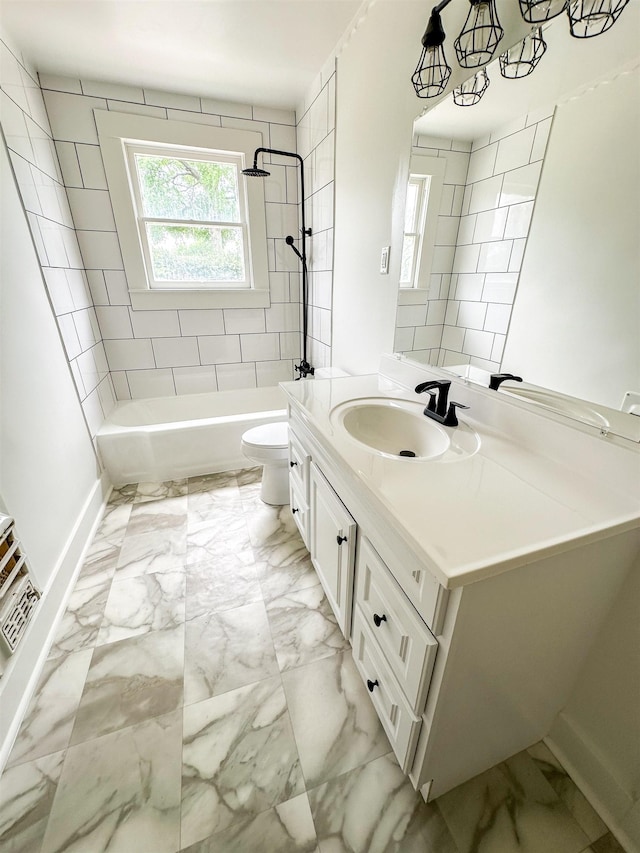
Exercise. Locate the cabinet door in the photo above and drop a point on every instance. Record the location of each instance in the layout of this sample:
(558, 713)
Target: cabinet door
(403, 638)
(299, 510)
(299, 460)
(396, 715)
(332, 541)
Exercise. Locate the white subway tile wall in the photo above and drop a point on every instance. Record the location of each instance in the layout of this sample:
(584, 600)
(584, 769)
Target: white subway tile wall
(419, 328)
(178, 351)
(494, 209)
(42, 169)
(316, 145)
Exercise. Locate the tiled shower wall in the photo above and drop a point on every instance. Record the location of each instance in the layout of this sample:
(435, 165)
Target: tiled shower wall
(151, 353)
(316, 145)
(501, 185)
(419, 326)
(33, 156)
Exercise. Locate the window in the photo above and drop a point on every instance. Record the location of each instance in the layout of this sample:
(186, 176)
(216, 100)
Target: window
(191, 218)
(414, 220)
(191, 228)
(420, 255)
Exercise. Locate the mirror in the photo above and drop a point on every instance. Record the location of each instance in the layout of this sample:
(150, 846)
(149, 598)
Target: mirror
(534, 259)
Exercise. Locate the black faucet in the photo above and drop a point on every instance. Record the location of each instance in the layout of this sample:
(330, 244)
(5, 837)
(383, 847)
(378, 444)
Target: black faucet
(497, 379)
(440, 392)
(436, 409)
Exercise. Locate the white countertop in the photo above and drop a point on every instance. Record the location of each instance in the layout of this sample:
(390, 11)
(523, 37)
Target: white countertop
(475, 516)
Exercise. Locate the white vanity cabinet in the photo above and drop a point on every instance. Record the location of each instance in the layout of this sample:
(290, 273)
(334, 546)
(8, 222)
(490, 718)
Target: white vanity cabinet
(394, 650)
(299, 461)
(479, 582)
(332, 544)
(402, 636)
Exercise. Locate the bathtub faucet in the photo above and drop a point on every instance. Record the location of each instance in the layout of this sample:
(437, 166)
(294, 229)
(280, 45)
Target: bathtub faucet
(304, 369)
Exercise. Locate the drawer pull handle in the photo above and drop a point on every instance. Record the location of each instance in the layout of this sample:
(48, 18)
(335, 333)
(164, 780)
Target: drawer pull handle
(378, 620)
(294, 509)
(372, 684)
(340, 539)
(292, 464)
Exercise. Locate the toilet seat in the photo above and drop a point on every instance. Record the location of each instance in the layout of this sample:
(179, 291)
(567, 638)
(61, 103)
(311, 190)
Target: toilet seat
(268, 442)
(268, 435)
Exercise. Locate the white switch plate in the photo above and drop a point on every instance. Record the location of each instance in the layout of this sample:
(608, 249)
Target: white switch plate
(384, 260)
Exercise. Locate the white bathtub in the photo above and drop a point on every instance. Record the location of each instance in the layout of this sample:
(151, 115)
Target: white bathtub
(167, 438)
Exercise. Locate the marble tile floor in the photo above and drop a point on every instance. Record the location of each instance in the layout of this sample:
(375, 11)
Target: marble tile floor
(200, 697)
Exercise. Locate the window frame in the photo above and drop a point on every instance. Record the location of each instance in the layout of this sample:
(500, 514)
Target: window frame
(423, 183)
(134, 148)
(117, 133)
(422, 165)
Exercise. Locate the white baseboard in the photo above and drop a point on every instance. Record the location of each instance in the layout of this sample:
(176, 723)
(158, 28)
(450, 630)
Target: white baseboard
(589, 770)
(23, 670)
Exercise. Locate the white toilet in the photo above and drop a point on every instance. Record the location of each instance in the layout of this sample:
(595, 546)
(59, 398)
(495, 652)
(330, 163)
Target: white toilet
(268, 445)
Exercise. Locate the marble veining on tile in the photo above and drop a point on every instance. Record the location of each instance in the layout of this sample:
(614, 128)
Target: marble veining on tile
(139, 605)
(150, 516)
(156, 551)
(81, 621)
(49, 720)
(121, 792)
(26, 798)
(223, 534)
(114, 523)
(282, 560)
(510, 807)
(334, 721)
(130, 681)
(239, 757)
(227, 650)
(304, 628)
(221, 584)
(162, 721)
(564, 786)
(374, 809)
(285, 828)
(160, 491)
(99, 565)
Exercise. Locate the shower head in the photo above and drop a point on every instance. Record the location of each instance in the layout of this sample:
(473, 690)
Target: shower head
(290, 242)
(254, 172)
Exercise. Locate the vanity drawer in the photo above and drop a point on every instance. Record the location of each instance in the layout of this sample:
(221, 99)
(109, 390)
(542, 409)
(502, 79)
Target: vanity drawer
(299, 510)
(400, 723)
(404, 639)
(299, 461)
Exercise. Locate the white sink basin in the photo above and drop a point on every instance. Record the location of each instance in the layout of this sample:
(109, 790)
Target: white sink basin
(396, 428)
(559, 403)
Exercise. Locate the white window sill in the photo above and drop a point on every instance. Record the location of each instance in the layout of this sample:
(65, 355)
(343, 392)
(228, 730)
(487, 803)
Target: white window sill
(413, 296)
(158, 300)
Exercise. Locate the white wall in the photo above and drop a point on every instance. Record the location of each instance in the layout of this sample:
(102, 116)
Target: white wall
(35, 161)
(376, 106)
(598, 733)
(578, 291)
(49, 476)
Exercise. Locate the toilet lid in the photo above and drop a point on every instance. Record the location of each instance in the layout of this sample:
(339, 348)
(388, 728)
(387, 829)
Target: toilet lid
(268, 435)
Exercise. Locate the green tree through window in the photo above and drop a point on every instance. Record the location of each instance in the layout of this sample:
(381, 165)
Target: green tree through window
(190, 215)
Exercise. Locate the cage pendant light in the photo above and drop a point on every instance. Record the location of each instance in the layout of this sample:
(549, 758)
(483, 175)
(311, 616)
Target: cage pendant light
(589, 18)
(480, 35)
(539, 11)
(472, 90)
(522, 58)
(432, 72)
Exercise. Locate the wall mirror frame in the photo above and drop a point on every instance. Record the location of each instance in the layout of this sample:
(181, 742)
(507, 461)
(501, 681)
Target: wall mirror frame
(534, 260)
